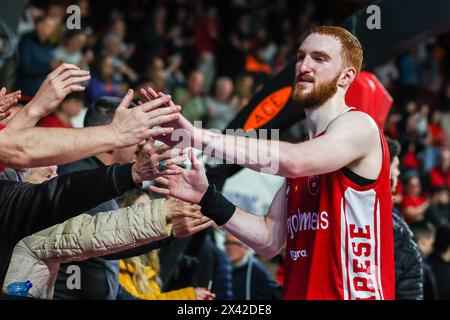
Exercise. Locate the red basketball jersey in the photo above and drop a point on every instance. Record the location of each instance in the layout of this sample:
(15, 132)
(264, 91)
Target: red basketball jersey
(339, 237)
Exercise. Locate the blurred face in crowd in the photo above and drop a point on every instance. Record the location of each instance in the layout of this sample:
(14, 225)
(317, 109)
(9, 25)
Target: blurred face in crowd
(413, 187)
(436, 118)
(84, 7)
(46, 27)
(41, 174)
(411, 107)
(441, 197)
(159, 15)
(77, 42)
(195, 83)
(445, 160)
(245, 86)
(113, 45)
(395, 172)
(426, 243)
(235, 248)
(126, 155)
(56, 11)
(317, 71)
(72, 107)
(424, 109)
(119, 28)
(107, 68)
(224, 89)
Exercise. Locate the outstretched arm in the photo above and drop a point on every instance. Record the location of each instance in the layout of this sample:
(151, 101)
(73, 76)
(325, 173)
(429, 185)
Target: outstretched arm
(266, 235)
(59, 83)
(34, 147)
(348, 139)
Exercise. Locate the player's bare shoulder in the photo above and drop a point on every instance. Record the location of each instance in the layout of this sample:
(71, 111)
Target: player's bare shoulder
(356, 124)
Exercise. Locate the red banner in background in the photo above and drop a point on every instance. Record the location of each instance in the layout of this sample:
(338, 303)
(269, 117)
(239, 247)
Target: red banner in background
(368, 94)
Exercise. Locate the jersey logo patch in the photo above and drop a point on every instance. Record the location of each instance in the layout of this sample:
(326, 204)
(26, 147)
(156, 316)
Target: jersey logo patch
(314, 185)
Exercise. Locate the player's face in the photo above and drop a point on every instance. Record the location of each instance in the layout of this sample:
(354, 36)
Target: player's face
(317, 71)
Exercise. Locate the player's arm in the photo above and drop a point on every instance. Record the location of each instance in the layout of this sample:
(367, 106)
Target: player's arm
(264, 234)
(347, 139)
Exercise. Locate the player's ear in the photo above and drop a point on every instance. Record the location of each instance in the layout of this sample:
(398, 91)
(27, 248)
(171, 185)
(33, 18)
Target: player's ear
(347, 77)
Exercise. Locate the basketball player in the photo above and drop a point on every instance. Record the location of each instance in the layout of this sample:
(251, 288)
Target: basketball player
(333, 215)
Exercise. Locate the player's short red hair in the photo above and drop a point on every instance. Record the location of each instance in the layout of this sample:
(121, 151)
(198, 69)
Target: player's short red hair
(351, 49)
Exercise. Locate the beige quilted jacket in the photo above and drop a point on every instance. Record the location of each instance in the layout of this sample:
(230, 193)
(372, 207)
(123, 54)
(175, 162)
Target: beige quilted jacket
(37, 257)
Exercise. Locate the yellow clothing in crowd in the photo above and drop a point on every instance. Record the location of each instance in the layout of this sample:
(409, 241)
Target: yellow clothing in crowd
(126, 281)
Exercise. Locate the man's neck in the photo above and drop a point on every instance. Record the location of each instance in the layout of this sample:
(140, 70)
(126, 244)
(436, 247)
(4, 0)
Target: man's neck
(318, 118)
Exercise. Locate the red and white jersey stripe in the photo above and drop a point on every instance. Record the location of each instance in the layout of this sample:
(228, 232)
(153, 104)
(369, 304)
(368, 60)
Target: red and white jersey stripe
(340, 237)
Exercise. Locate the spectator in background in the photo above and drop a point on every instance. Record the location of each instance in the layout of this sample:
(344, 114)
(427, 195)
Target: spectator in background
(250, 280)
(439, 211)
(196, 261)
(220, 113)
(154, 33)
(412, 144)
(190, 98)
(440, 262)
(180, 34)
(243, 92)
(70, 49)
(69, 108)
(409, 75)
(206, 34)
(104, 82)
(56, 10)
(431, 72)
(36, 56)
(439, 177)
(118, 30)
(424, 236)
(407, 256)
(421, 118)
(174, 77)
(156, 76)
(414, 204)
(437, 141)
(139, 276)
(113, 47)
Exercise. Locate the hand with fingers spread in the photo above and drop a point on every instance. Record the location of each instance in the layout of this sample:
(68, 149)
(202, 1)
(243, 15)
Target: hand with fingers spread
(59, 83)
(147, 166)
(134, 125)
(189, 186)
(7, 101)
(184, 127)
(185, 217)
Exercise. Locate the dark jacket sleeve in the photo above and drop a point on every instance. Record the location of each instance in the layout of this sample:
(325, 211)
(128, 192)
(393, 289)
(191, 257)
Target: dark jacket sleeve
(408, 263)
(223, 278)
(27, 208)
(139, 250)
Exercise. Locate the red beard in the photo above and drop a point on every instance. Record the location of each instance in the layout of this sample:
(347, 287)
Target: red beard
(317, 97)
